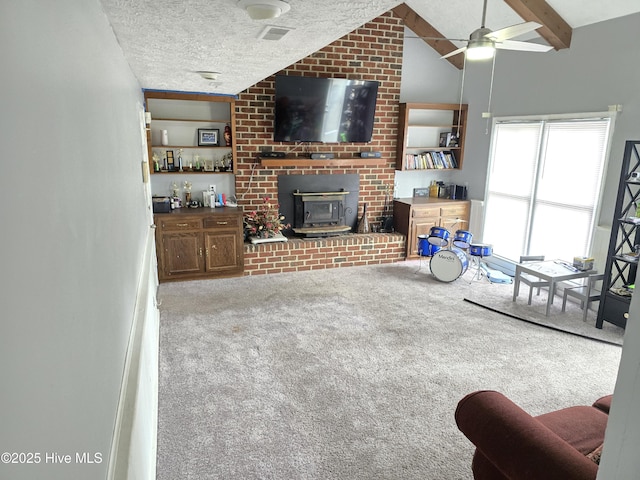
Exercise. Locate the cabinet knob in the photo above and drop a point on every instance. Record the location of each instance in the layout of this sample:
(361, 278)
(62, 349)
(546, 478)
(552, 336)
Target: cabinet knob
(626, 315)
(200, 251)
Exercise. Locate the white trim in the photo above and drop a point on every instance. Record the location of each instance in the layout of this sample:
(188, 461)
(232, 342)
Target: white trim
(609, 114)
(135, 429)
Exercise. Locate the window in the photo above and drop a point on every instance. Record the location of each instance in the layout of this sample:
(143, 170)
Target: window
(543, 186)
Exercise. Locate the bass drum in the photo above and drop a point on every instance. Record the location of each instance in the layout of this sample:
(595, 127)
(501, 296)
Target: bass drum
(448, 265)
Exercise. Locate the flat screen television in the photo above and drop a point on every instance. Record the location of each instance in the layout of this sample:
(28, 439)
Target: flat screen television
(311, 109)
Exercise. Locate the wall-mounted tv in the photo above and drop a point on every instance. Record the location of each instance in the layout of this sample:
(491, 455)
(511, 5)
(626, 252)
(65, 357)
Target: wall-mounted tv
(312, 109)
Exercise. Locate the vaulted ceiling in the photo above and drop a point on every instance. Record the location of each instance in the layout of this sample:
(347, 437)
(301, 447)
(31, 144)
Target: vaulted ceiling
(167, 42)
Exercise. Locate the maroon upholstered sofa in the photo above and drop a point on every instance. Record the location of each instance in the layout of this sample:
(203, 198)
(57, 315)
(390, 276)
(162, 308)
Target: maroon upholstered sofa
(513, 445)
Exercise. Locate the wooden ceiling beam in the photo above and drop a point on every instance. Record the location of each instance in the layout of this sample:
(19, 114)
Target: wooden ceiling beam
(427, 32)
(554, 29)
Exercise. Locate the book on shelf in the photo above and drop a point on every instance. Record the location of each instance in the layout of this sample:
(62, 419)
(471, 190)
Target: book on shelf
(430, 160)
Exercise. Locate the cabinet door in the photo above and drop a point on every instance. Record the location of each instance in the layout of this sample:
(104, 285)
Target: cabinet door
(455, 217)
(182, 253)
(419, 226)
(222, 251)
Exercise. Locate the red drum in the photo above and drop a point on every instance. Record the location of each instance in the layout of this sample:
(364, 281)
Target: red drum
(448, 265)
(426, 249)
(480, 250)
(462, 239)
(438, 236)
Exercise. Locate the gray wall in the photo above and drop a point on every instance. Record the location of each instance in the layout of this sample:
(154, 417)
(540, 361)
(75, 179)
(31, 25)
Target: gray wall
(425, 78)
(75, 223)
(600, 69)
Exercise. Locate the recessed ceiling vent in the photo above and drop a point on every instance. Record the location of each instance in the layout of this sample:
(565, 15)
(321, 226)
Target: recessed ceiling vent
(272, 32)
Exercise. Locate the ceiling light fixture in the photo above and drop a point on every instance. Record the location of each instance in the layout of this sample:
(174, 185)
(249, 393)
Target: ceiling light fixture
(264, 9)
(480, 47)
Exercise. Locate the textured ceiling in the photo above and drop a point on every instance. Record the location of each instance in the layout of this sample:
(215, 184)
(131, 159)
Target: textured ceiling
(167, 41)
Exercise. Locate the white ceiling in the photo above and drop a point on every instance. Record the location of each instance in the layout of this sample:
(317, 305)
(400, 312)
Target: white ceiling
(167, 41)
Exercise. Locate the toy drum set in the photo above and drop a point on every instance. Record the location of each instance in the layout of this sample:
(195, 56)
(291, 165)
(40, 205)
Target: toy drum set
(448, 263)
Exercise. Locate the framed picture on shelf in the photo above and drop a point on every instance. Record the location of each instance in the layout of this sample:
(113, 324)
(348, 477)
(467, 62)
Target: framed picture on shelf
(445, 139)
(208, 137)
(171, 166)
(208, 165)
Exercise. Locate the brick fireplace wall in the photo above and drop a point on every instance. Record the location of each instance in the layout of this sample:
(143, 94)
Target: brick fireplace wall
(371, 52)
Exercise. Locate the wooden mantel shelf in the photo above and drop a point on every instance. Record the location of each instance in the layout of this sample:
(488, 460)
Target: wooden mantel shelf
(333, 162)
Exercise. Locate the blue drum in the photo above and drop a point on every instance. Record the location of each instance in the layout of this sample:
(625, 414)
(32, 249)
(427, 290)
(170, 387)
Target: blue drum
(447, 265)
(480, 250)
(426, 249)
(462, 239)
(438, 236)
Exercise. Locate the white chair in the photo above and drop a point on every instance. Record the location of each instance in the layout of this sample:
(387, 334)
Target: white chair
(586, 293)
(531, 280)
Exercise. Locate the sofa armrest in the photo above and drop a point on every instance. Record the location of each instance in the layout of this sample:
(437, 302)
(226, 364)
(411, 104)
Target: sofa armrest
(604, 403)
(517, 444)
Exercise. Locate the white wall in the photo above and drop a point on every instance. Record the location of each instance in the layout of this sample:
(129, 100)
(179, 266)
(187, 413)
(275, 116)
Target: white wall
(75, 222)
(600, 69)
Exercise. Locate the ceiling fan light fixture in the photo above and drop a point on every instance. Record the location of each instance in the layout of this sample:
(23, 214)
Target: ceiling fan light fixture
(481, 49)
(264, 9)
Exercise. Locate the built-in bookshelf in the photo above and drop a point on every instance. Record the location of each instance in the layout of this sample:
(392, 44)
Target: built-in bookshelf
(431, 136)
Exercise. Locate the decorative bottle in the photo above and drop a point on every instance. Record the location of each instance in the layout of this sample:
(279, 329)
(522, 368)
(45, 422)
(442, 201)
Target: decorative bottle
(363, 224)
(165, 137)
(227, 135)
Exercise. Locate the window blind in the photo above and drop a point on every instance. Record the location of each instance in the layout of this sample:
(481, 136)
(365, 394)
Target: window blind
(544, 185)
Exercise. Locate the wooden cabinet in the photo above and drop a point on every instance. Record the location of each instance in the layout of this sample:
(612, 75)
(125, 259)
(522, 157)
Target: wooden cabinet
(198, 243)
(431, 136)
(415, 216)
(622, 259)
(195, 126)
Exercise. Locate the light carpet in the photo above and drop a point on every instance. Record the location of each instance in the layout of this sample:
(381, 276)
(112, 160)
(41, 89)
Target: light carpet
(350, 373)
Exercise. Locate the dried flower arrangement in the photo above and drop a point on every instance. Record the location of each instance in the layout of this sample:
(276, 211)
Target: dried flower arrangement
(266, 221)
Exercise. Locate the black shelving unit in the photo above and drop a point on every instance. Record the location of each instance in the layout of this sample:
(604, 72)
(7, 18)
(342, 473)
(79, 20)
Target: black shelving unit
(621, 266)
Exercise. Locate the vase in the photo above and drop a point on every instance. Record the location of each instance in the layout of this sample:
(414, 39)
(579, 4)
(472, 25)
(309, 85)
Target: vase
(363, 223)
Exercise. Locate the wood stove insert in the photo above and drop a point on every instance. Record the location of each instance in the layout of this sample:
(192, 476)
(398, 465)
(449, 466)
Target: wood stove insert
(320, 205)
(319, 214)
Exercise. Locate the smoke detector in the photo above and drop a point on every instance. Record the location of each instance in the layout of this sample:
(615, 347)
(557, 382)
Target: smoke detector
(264, 9)
(208, 75)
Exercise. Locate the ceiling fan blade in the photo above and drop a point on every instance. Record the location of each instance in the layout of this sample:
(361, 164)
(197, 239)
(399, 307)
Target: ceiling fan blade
(523, 46)
(455, 52)
(513, 31)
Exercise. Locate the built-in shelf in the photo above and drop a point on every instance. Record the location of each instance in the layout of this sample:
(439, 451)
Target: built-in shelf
(192, 171)
(425, 133)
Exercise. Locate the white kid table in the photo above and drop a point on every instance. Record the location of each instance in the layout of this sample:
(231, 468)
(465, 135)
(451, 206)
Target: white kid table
(553, 271)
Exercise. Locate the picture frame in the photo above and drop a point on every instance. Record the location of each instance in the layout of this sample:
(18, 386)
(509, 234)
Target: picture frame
(171, 166)
(208, 137)
(208, 165)
(445, 139)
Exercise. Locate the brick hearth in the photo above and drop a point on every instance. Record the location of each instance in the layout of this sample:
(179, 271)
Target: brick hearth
(300, 254)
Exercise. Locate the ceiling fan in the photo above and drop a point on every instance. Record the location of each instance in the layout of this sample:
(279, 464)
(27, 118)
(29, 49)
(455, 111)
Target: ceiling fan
(483, 42)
